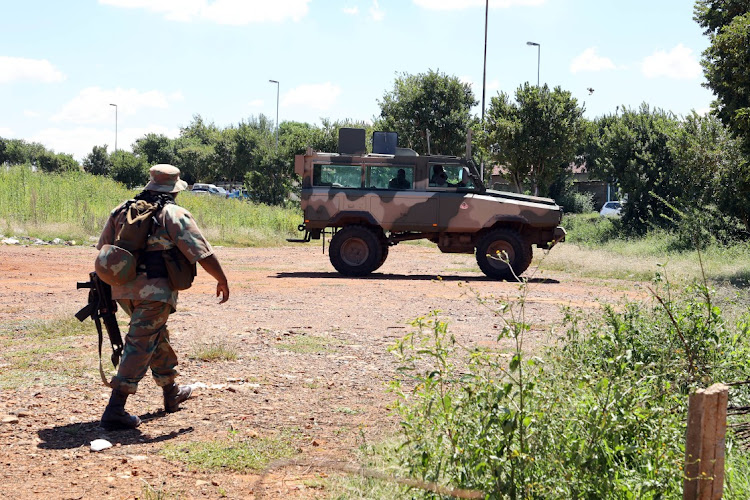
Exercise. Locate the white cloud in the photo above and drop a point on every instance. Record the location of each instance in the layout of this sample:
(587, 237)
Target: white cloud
(589, 60)
(376, 13)
(320, 96)
(257, 103)
(80, 141)
(352, 11)
(92, 105)
(30, 113)
(21, 69)
(465, 4)
(679, 63)
(235, 12)
(6, 132)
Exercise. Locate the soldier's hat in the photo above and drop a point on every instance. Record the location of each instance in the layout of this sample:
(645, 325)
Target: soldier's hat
(165, 178)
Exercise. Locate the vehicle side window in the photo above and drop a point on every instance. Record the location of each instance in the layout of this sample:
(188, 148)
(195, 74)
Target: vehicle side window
(390, 177)
(449, 175)
(347, 176)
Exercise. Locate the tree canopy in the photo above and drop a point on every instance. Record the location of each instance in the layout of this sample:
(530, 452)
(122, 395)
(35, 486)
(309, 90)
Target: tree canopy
(726, 61)
(536, 137)
(429, 101)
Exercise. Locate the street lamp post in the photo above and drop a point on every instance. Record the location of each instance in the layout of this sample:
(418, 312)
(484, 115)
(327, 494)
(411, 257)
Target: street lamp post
(115, 105)
(277, 111)
(484, 77)
(538, 57)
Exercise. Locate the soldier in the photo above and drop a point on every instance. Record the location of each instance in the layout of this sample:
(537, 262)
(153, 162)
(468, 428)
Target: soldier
(149, 300)
(399, 182)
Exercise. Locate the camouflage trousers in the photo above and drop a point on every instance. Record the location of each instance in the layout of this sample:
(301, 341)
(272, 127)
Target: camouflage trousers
(146, 346)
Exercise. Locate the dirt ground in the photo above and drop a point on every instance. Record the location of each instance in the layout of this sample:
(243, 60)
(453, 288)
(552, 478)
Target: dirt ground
(328, 399)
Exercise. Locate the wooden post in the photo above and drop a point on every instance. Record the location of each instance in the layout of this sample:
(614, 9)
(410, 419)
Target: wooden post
(704, 447)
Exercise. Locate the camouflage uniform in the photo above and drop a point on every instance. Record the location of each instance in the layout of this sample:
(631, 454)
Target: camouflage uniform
(150, 301)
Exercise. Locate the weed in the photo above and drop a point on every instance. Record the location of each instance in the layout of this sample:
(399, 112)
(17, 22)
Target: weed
(214, 352)
(602, 415)
(231, 454)
(307, 344)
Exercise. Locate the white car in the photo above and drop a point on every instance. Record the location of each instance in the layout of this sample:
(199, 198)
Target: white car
(611, 209)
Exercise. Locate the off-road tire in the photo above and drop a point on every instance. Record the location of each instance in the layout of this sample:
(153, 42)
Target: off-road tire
(511, 242)
(384, 248)
(356, 250)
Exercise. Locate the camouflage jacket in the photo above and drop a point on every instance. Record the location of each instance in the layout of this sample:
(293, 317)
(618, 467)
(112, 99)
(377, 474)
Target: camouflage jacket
(176, 227)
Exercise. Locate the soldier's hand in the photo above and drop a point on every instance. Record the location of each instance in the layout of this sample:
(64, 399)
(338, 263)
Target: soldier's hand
(222, 289)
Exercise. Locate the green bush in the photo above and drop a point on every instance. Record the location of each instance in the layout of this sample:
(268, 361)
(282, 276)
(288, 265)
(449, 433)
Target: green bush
(590, 228)
(602, 415)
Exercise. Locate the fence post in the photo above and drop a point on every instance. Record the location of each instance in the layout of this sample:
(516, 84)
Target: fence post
(704, 447)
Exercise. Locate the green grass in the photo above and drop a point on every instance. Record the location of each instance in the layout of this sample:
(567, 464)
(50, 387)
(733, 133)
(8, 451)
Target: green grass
(380, 457)
(230, 454)
(214, 352)
(75, 206)
(737, 475)
(52, 352)
(593, 249)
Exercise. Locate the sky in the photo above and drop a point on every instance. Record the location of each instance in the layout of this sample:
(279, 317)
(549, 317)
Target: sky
(63, 64)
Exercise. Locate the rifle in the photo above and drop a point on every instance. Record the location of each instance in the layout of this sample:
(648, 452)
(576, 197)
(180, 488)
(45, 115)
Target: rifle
(101, 308)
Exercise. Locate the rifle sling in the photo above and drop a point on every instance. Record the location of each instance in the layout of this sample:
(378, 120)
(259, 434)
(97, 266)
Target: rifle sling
(98, 323)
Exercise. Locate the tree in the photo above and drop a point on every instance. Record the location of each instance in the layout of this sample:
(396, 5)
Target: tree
(155, 148)
(270, 179)
(635, 153)
(536, 137)
(98, 162)
(713, 174)
(726, 61)
(195, 161)
(224, 155)
(429, 101)
(56, 163)
(129, 169)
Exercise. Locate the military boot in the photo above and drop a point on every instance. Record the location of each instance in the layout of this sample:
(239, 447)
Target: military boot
(115, 418)
(174, 395)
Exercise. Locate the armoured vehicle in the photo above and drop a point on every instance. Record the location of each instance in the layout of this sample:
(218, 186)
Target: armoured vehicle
(372, 202)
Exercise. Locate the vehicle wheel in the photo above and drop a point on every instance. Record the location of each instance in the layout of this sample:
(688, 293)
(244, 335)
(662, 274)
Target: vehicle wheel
(495, 243)
(384, 248)
(355, 251)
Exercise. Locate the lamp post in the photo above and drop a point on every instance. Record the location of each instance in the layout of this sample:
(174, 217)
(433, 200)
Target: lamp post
(277, 111)
(538, 57)
(484, 76)
(115, 105)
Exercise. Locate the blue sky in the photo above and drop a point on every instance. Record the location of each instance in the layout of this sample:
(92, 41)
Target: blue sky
(62, 63)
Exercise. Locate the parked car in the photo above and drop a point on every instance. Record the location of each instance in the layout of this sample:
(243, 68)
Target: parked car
(611, 209)
(199, 188)
(240, 194)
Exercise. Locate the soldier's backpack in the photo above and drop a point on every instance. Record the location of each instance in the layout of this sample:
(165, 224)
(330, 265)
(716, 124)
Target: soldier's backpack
(116, 263)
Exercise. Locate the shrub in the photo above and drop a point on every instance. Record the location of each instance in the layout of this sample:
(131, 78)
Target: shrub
(602, 415)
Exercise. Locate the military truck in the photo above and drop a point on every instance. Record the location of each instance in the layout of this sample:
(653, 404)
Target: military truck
(372, 202)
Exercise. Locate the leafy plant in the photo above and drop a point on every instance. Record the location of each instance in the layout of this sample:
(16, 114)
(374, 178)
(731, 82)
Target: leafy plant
(601, 415)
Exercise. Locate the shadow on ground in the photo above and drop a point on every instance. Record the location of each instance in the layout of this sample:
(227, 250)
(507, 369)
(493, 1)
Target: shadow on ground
(64, 437)
(394, 277)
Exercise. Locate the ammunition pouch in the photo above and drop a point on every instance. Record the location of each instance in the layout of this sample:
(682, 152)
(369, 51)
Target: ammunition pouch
(180, 271)
(152, 263)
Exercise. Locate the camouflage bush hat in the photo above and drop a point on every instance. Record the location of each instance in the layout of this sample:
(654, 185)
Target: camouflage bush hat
(165, 178)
